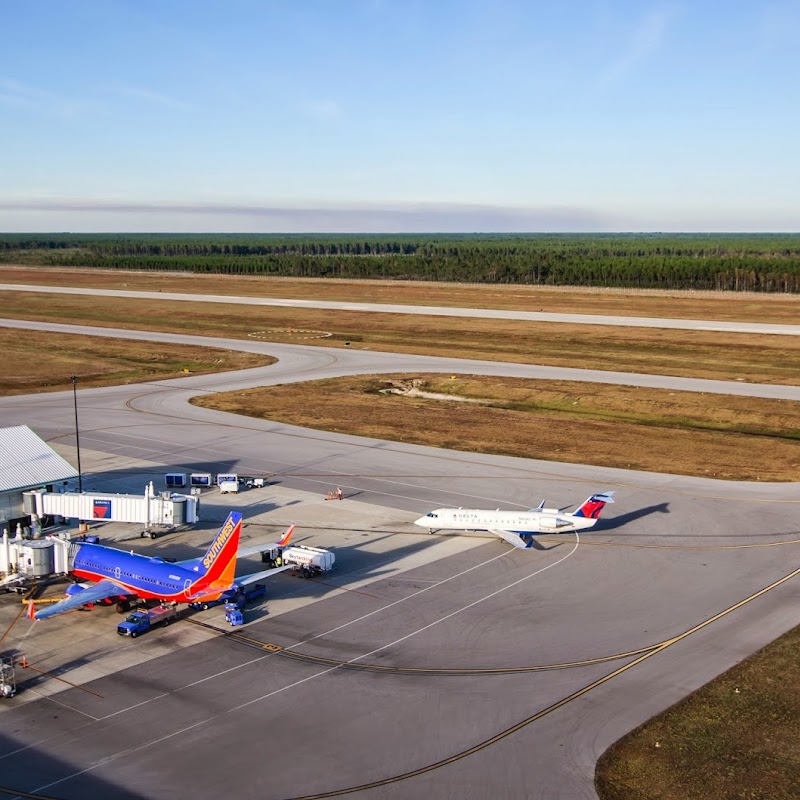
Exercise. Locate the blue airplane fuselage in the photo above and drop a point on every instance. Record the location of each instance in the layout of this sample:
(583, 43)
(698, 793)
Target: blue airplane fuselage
(149, 578)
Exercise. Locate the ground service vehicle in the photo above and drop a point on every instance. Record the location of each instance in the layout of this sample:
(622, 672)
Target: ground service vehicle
(308, 561)
(233, 614)
(255, 483)
(147, 618)
(228, 484)
(239, 596)
(8, 681)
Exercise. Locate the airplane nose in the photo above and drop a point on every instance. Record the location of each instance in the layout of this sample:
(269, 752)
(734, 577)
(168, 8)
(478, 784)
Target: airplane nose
(422, 522)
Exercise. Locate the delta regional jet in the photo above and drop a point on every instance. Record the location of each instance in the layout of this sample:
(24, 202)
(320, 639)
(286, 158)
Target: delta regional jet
(120, 575)
(517, 527)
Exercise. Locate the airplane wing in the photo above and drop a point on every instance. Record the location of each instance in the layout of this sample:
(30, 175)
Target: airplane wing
(93, 594)
(252, 549)
(245, 580)
(511, 538)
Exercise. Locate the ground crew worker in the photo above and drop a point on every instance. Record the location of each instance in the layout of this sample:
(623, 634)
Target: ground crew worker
(338, 492)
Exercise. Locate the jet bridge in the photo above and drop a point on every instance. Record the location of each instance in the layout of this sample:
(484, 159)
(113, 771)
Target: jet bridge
(149, 509)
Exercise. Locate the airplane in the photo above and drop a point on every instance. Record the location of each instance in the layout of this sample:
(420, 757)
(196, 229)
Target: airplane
(121, 575)
(517, 527)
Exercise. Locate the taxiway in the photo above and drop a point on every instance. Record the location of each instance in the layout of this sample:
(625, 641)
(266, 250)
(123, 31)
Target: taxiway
(479, 671)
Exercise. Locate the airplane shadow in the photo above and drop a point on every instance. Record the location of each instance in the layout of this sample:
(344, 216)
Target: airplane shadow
(612, 523)
(537, 545)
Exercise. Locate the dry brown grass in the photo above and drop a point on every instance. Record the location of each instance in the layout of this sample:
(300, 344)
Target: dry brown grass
(38, 361)
(736, 438)
(745, 307)
(737, 737)
(762, 359)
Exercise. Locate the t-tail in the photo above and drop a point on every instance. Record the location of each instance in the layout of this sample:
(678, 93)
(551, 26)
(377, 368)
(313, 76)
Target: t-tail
(218, 565)
(592, 506)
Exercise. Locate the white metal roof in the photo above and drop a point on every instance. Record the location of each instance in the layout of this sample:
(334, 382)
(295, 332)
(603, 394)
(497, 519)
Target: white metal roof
(26, 461)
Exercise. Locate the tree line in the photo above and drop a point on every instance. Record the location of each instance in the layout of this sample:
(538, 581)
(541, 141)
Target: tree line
(738, 262)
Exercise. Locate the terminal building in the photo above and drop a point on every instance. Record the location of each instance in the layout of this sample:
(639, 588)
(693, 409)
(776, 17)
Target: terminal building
(27, 462)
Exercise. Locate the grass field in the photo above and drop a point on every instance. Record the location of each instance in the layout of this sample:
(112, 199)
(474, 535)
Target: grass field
(736, 737)
(697, 354)
(45, 361)
(632, 428)
(739, 306)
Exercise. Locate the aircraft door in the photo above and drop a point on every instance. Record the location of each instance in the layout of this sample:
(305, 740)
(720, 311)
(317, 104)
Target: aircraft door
(117, 573)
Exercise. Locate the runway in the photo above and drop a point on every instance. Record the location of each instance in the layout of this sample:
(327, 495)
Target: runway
(717, 326)
(486, 672)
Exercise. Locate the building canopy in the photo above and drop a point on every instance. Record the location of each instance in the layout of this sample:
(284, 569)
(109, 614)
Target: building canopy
(27, 462)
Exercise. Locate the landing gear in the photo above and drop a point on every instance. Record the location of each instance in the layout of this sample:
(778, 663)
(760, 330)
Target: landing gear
(123, 607)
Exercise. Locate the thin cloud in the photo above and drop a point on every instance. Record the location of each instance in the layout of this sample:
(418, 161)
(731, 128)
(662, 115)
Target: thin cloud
(645, 39)
(15, 93)
(324, 110)
(319, 218)
(156, 98)
(20, 95)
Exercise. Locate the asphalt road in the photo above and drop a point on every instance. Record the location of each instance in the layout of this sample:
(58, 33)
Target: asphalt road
(682, 578)
(431, 311)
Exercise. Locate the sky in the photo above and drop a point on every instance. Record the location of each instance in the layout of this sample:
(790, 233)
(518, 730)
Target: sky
(399, 115)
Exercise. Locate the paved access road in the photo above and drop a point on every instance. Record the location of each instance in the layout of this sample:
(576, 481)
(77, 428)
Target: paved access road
(431, 311)
(486, 673)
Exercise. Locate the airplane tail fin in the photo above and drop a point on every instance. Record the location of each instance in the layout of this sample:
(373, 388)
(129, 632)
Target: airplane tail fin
(284, 540)
(593, 505)
(218, 565)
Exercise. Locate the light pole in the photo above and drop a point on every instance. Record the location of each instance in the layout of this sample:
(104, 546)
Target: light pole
(74, 379)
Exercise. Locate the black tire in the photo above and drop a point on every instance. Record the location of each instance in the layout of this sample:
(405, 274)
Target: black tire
(204, 606)
(134, 634)
(123, 607)
(152, 534)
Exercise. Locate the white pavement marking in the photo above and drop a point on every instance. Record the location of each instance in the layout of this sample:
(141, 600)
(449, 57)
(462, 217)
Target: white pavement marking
(470, 605)
(208, 720)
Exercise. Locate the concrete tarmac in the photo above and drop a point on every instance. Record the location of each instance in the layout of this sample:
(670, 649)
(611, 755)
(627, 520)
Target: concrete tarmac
(719, 326)
(434, 666)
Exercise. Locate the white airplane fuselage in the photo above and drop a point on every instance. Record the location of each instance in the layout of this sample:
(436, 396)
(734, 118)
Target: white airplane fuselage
(473, 519)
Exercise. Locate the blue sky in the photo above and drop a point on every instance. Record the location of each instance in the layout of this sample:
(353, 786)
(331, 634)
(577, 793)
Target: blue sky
(392, 115)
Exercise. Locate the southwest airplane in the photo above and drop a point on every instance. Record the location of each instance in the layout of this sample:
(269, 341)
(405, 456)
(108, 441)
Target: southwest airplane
(120, 574)
(516, 527)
